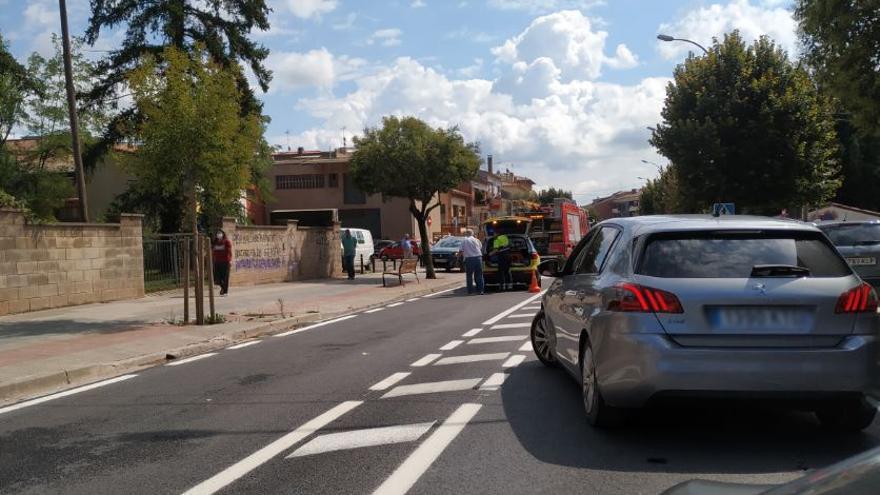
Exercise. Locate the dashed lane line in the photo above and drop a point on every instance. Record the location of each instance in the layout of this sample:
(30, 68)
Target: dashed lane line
(244, 344)
(356, 439)
(472, 332)
(451, 345)
(514, 309)
(511, 325)
(316, 325)
(390, 381)
(413, 299)
(495, 340)
(394, 305)
(433, 387)
(260, 457)
(494, 381)
(441, 292)
(376, 310)
(194, 358)
(406, 475)
(514, 361)
(84, 388)
(428, 359)
(472, 358)
(522, 315)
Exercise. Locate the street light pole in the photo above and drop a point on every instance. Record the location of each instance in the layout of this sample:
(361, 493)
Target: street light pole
(71, 109)
(666, 37)
(659, 167)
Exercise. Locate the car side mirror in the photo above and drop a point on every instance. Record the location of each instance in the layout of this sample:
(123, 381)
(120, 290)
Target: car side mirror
(549, 268)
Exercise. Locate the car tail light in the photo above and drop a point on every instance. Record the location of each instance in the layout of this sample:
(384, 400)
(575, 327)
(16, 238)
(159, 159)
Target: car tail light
(861, 299)
(639, 299)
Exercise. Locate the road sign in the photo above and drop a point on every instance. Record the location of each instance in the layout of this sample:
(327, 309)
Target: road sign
(723, 209)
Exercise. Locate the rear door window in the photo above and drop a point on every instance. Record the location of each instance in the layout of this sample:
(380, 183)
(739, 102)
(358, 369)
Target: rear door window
(734, 255)
(853, 234)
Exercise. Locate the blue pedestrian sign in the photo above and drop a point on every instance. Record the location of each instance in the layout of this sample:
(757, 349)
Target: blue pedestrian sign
(719, 209)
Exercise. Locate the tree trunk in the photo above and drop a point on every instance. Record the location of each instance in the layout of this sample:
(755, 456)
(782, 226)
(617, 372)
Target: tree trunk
(421, 217)
(197, 245)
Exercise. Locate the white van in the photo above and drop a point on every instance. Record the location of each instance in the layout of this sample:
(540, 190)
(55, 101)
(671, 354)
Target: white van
(364, 245)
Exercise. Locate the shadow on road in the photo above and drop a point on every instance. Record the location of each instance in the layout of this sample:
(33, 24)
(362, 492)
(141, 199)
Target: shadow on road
(545, 411)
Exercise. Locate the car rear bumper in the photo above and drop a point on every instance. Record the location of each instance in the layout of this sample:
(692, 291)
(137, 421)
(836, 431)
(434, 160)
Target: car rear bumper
(634, 368)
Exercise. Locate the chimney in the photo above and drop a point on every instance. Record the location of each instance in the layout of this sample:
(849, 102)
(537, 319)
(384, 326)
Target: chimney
(300, 150)
(489, 162)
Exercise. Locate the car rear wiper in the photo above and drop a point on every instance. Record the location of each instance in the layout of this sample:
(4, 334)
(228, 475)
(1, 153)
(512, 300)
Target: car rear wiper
(780, 271)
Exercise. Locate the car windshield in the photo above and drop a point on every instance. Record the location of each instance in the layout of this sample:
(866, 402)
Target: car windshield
(853, 234)
(731, 255)
(449, 243)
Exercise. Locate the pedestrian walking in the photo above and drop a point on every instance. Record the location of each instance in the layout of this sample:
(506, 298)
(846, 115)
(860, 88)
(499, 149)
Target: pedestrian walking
(472, 252)
(349, 247)
(221, 253)
(501, 250)
(406, 245)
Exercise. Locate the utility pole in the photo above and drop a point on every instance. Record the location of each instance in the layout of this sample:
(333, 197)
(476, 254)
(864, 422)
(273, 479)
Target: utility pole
(71, 109)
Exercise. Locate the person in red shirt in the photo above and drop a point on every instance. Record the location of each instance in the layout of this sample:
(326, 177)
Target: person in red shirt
(221, 248)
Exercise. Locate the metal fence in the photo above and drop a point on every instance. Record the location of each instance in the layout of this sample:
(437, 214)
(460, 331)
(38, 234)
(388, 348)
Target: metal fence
(163, 262)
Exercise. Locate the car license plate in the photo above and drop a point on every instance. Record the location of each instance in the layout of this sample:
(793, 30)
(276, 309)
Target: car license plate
(440, 261)
(761, 318)
(862, 261)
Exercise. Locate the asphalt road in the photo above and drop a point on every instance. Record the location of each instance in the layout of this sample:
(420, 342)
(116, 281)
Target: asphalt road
(391, 401)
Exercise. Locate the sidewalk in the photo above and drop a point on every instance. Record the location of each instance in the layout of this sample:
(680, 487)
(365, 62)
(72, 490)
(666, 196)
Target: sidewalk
(45, 351)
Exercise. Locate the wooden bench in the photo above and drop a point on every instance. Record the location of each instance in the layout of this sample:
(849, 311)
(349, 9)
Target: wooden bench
(406, 266)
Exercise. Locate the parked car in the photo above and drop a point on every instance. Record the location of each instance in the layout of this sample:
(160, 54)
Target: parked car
(665, 307)
(859, 243)
(364, 243)
(447, 253)
(524, 257)
(379, 245)
(395, 250)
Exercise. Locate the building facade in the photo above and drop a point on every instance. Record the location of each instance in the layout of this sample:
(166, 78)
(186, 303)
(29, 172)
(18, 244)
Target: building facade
(619, 204)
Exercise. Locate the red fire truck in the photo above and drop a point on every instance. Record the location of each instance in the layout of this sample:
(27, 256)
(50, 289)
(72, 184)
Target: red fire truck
(557, 227)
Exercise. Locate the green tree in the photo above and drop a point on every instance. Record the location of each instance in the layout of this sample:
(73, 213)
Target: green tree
(15, 85)
(661, 195)
(548, 195)
(743, 124)
(193, 138)
(406, 158)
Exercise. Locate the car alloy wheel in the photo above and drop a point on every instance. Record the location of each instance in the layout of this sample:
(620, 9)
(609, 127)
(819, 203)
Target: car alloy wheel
(588, 381)
(541, 340)
(598, 412)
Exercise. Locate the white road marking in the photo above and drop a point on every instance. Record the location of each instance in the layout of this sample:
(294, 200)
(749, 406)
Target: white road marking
(413, 299)
(472, 332)
(514, 361)
(499, 316)
(390, 381)
(494, 381)
(530, 308)
(245, 344)
(442, 292)
(356, 439)
(406, 475)
(472, 358)
(433, 387)
(522, 315)
(451, 345)
(316, 325)
(527, 347)
(84, 388)
(426, 360)
(395, 305)
(376, 310)
(511, 325)
(189, 360)
(494, 340)
(253, 461)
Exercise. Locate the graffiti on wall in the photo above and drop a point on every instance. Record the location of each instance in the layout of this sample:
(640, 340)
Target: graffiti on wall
(259, 250)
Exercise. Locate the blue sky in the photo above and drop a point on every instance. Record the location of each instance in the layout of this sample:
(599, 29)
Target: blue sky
(559, 90)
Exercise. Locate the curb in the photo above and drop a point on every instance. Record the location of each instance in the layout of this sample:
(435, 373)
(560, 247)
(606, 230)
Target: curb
(36, 386)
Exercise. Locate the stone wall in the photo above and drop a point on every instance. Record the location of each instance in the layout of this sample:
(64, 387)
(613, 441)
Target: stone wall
(270, 254)
(63, 264)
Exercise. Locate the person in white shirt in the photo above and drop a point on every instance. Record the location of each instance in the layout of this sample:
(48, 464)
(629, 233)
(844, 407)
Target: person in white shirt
(472, 252)
(406, 245)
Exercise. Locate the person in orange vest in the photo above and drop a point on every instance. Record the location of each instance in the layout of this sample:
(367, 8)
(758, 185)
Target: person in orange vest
(221, 250)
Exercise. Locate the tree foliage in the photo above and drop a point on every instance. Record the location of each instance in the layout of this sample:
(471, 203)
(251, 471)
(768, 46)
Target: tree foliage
(406, 158)
(548, 195)
(193, 138)
(745, 125)
(15, 85)
(661, 195)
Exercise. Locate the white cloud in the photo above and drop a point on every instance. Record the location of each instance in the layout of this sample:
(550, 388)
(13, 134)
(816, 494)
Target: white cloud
(567, 38)
(385, 37)
(315, 68)
(347, 23)
(306, 9)
(752, 18)
(471, 71)
(542, 6)
(417, 4)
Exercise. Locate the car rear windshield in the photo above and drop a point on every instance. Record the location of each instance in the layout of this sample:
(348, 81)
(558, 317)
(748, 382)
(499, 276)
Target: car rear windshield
(734, 255)
(450, 243)
(853, 234)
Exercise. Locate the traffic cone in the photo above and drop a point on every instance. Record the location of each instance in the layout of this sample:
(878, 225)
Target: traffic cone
(533, 285)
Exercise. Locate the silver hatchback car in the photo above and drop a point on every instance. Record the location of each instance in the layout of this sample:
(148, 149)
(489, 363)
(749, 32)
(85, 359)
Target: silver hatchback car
(655, 307)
